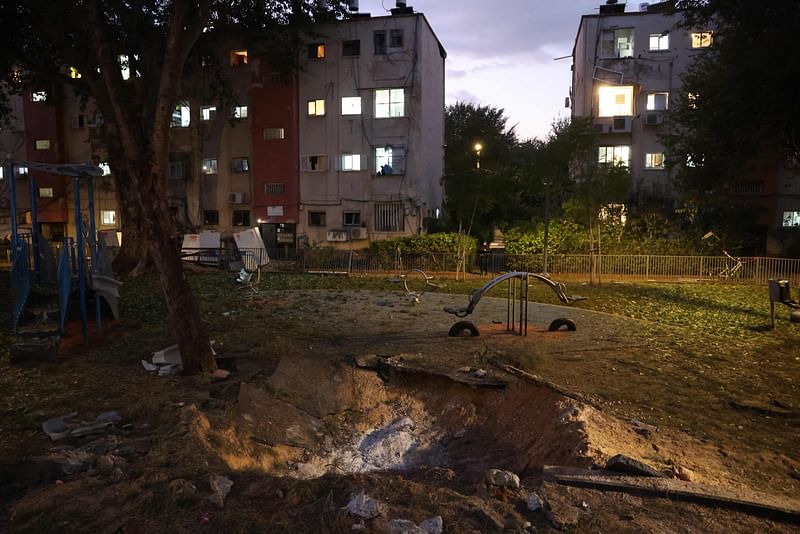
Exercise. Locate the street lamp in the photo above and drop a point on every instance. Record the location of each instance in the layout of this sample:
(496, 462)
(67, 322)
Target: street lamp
(478, 147)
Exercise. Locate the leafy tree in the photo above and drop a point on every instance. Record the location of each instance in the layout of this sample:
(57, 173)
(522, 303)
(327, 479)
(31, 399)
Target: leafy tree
(162, 41)
(738, 114)
(478, 198)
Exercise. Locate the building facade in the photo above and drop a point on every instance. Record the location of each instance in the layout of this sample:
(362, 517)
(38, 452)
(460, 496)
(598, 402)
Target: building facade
(346, 150)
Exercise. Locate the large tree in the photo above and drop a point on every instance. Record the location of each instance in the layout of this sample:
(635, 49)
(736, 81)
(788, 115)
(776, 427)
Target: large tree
(738, 114)
(159, 41)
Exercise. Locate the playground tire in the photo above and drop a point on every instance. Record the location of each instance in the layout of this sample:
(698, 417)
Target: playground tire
(460, 326)
(562, 321)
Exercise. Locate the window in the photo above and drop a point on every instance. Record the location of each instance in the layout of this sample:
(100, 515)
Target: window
(750, 186)
(389, 103)
(701, 39)
(238, 58)
(617, 43)
(74, 74)
(695, 160)
(351, 48)
(351, 162)
(617, 155)
(106, 168)
(211, 217)
(316, 51)
(177, 169)
(389, 160)
(274, 133)
(791, 218)
(654, 160)
(615, 101)
(78, 121)
(208, 113)
(351, 105)
(240, 165)
(316, 108)
(108, 217)
(657, 101)
(352, 218)
(124, 67)
(379, 42)
(389, 217)
(180, 115)
(314, 163)
(39, 96)
(316, 218)
(210, 166)
(46, 192)
(659, 41)
(22, 171)
(241, 217)
(692, 98)
(42, 144)
(274, 189)
(239, 112)
(396, 39)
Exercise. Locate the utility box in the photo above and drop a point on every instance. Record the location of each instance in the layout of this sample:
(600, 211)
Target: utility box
(779, 291)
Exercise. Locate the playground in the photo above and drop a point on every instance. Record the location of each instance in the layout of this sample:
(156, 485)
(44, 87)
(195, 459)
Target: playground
(339, 386)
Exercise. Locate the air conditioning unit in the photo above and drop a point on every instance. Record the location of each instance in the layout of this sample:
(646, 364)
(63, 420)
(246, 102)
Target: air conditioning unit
(337, 236)
(654, 118)
(237, 198)
(358, 233)
(621, 125)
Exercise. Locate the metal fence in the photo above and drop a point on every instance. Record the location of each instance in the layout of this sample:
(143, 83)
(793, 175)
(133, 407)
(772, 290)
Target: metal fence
(566, 267)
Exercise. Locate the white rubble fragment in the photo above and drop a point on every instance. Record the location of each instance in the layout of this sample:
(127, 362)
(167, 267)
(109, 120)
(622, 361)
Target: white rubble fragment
(362, 505)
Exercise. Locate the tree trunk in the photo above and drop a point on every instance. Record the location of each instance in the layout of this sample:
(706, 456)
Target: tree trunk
(134, 255)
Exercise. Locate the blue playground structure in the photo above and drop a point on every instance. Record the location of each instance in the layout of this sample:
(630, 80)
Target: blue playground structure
(41, 285)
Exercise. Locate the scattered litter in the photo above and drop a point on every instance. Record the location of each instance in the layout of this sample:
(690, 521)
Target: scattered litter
(61, 427)
(149, 367)
(168, 355)
(498, 477)
(478, 373)
(222, 374)
(221, 486)
(167, 361)
(362, 505)
(533, 502)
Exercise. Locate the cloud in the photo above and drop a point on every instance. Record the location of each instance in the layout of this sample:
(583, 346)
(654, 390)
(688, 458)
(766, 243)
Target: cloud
(462, 95)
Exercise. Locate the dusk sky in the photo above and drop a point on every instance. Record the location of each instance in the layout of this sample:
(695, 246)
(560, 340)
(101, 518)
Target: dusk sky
(500, 53)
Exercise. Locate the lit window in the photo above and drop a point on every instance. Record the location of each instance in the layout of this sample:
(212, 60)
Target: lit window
(615, 101)
(389, 217)
(42, 144)
(659, 41)
(692, 100)
(39, 96)
(389, 160)
(389, 103)
(46, 192)
(180, 115)
(396, 39)
(379, 42)
(125, 67)
(791, 218)
(352, 218)
(316, 162)
(701, 39)
(210, 166)
(108, 217)
(238, 57)
(239, 112)
(316, 108)
(1, 172)
(208, 113)
(617, 43)
(351, 162)
(654, 160)
(351, 48)
(316, 51)
(106, 168)
(73, 73)
(22, 171)
(240, 165)
(316, 218)
(274, 133)
(657, 101)
(351, 105)
(617, 155)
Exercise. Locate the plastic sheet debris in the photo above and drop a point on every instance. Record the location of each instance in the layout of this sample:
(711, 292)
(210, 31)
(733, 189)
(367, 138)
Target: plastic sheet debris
(63, 426)
(167, 361)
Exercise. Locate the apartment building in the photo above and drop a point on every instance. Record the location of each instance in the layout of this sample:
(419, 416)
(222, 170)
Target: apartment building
(626, 73)
(346, 150)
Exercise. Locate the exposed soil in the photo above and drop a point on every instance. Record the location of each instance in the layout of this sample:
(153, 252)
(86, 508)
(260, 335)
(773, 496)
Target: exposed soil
(337, 392)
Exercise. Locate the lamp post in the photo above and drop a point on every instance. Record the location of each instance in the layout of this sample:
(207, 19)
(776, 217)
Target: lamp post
(478, 147)
(546, 184)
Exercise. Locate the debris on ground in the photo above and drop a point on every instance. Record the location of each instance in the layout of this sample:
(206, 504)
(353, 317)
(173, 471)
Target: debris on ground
(533, 502)
(499, 477)
(63, 426)
(432, 525)
(626, 464)
(362, 505)
(220, 486)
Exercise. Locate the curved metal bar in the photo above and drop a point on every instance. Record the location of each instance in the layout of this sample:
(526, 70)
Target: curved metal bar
(476, 295)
